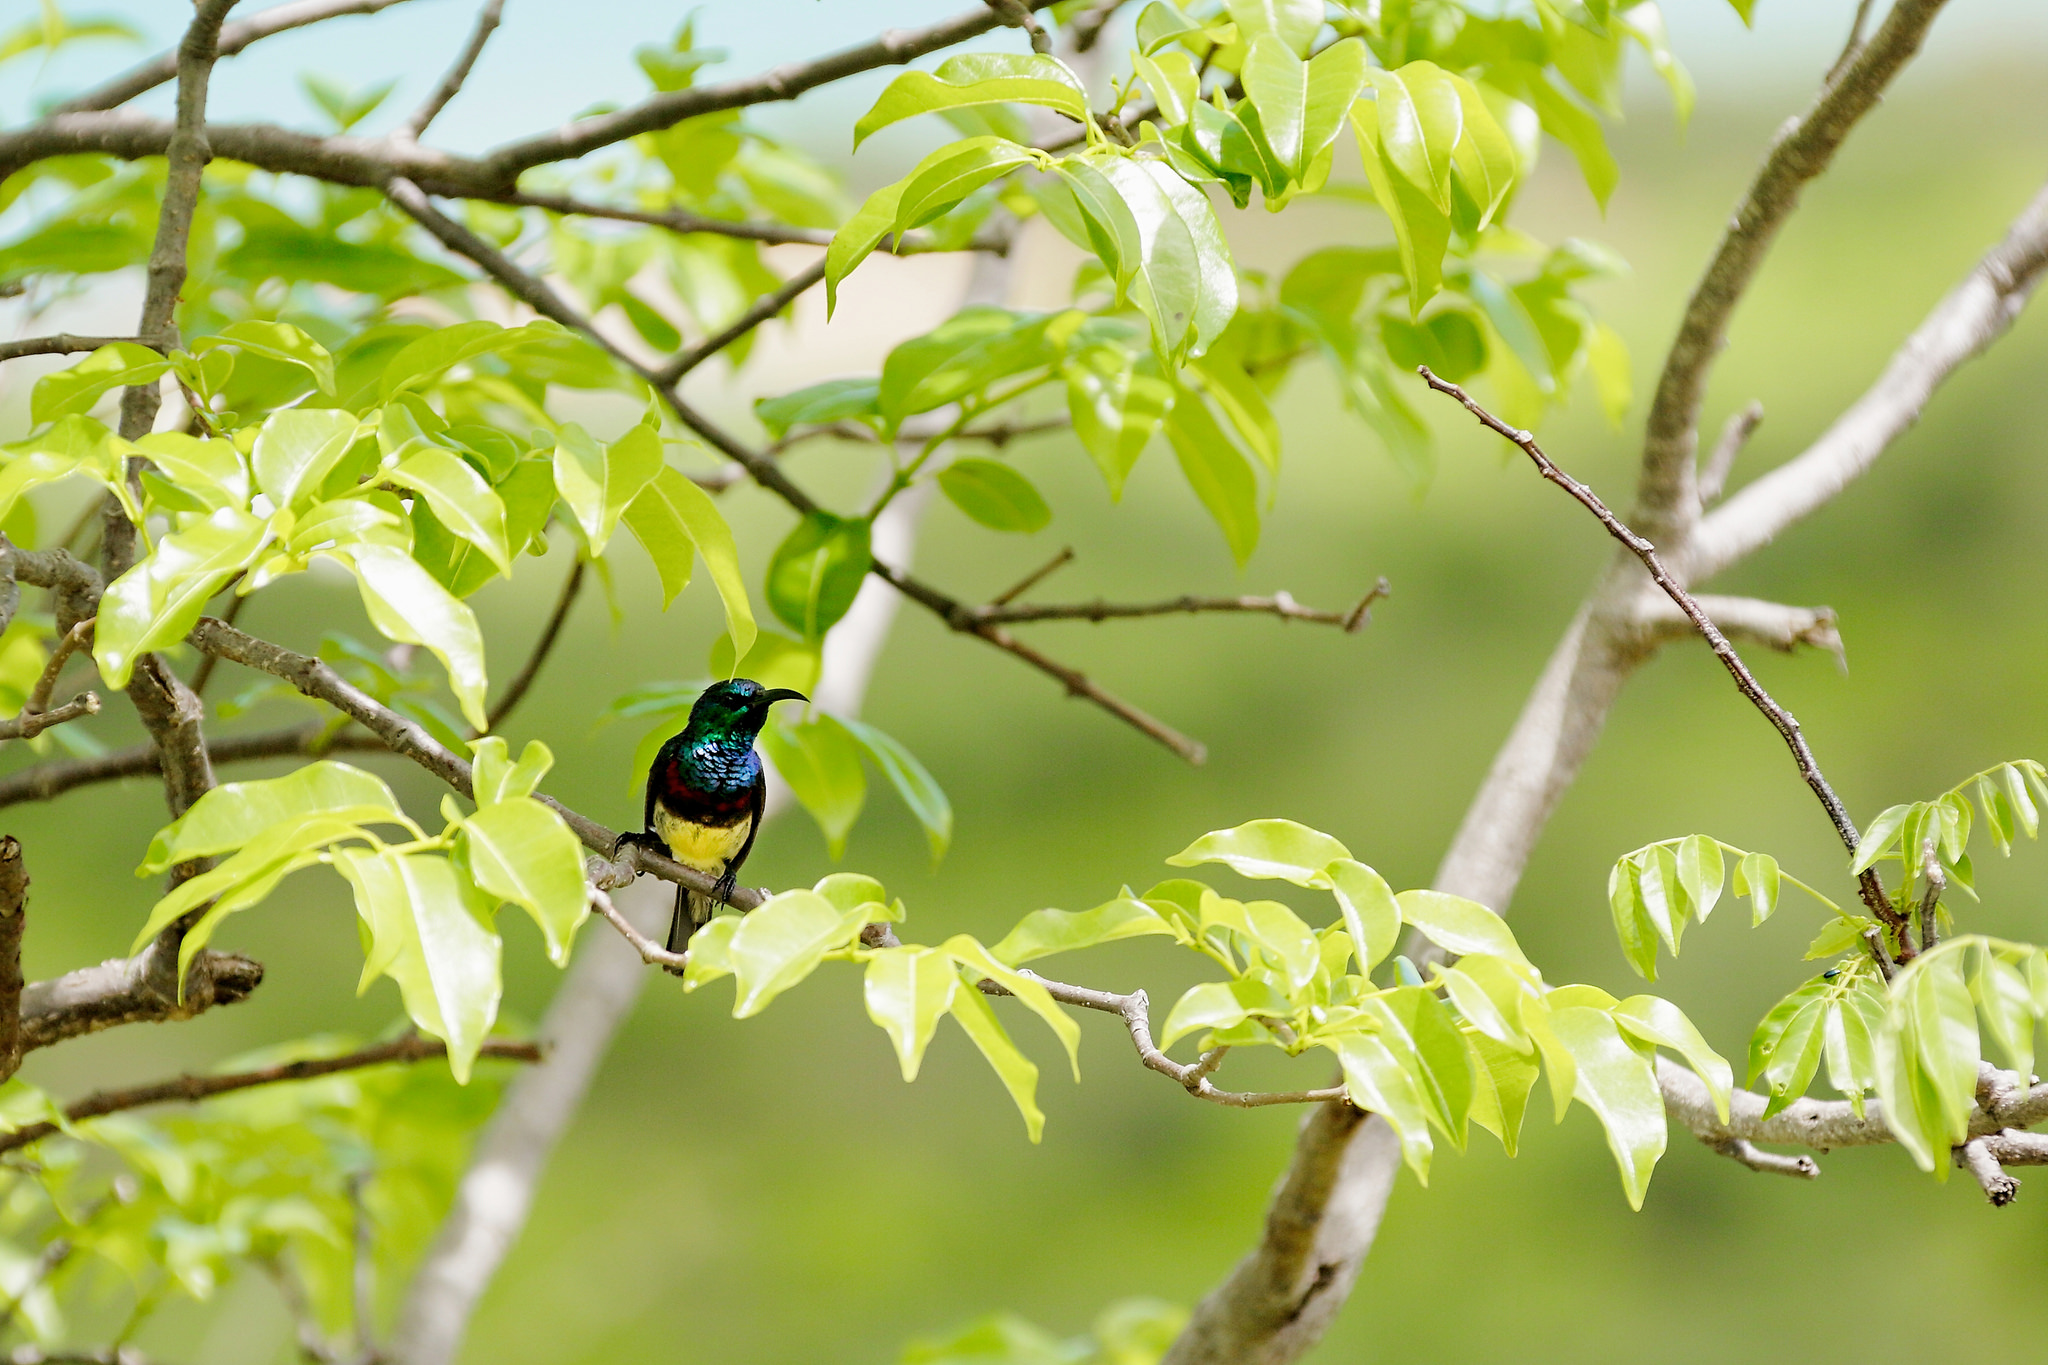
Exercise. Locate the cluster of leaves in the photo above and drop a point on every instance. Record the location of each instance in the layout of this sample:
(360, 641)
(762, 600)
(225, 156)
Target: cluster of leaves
(1464, 1048)
(1917, 1041)
(427, 904)
(118, 1214)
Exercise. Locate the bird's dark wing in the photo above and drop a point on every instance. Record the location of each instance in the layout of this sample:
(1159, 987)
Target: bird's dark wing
(757, 802)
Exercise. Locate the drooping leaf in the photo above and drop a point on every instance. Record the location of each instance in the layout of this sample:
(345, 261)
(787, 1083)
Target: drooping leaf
(75, 389)
(781, 942)
(908, 990)
(1016, 1071)
(1371, 915)
(233, 813)
(1620, 1086)
(1045, 932)
(406, 605)
(820, 759)
(520, 851)
(158, 601)
(920, 792)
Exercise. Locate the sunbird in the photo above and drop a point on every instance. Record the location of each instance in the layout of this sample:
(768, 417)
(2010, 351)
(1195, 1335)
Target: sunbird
(705, 793)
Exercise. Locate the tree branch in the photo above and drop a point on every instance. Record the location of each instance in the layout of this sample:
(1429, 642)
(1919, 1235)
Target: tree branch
(1745, 681)
(451, 84)
(515, 691)
(1667, 498)
(29, 723)
(190, 1089)
(63, 343)
(13, 918)
(1770, 624)
(764, 308)
(1771, 1163)
(132, 990)
(1735, 434)
(679, 221)
(1963, 325)
(1280, 604)
(233, 38)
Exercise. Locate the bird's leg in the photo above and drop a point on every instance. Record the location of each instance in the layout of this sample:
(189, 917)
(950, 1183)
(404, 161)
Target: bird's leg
(727, 883)
(646, 839)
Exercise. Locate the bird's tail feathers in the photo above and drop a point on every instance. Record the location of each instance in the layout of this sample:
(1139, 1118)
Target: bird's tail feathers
(693, 911)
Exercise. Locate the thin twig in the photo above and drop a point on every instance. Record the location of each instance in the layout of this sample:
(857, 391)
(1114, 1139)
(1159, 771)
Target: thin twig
(1032, 579)
(680, 221)
(1734, 436)
(29, 724)
(1975, 1157)
(188, 1089)
(1771, 1163)
(63, 343)
(652, 953)
(67, 645)
(451, 84)
(233, 38)
(516, 689)
(1854, 44)
(764, 308)
(1781, 719)
(1280, 604)
(203, 674)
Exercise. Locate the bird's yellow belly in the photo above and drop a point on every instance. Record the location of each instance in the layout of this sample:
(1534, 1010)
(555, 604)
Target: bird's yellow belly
(701, 846)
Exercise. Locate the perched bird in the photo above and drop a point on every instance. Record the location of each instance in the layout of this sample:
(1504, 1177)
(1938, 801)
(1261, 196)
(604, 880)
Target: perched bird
(705, 793)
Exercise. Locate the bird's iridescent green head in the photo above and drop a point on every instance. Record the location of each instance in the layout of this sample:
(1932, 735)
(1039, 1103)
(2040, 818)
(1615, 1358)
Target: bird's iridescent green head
(738, 708)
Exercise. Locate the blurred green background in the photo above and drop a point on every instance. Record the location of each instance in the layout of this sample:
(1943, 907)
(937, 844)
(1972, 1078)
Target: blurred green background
(770, 1191)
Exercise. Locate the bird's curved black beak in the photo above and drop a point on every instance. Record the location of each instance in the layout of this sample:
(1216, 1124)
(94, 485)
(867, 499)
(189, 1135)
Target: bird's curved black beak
(776, 694)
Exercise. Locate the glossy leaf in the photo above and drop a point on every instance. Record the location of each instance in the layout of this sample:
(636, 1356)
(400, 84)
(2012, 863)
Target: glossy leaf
(122, 364)
(1116, 404)
(834, 400)
(820, 759)
(233, 813)
(1293, 22)
(920, 792)
(494, 777)
(978, 962)
(1420, 1032)
(1381, 1085)
(520, 851)
(908, 990)
(1220, 476)
(995, 495)
(816, 572)
(1757, 877)
(1219, 1005)
(156, 603)
(463, 502)
(670, 517)
(1278, 849)
(1458, 925)
(1663, 1023)
(781, 942)
(1182, 276)
(407, 606)
(1371, 915)
(1045, 932)
(598, 482)
(1502, 1079)
(296, 449)
(971, 1011)
(977, 78)
(437, 351)
(1620, 1086)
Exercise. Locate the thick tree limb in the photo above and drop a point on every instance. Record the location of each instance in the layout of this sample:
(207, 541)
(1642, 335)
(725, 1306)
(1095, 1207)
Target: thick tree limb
(189, 1089)
(233, 38)
(1666, 496)
(1962, 326)
(451, 84)
(132, 990)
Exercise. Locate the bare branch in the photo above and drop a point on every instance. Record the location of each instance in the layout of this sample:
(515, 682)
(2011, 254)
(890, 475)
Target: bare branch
(143, 989)
(1937, 882)
(1804, 148)
(680, 221)
(13, 918)
(1771, 1163)
(1963, 325)
(67, 644)
(451, 84)
(515, 691)
(1975, 1157)
(1735, 435)
(652, 953)
(233, 38)
(189, 1089)
(1854, 44)
(1745, 681)
(29, 724)
(63, 343)
(764, 308)
(1751, 620)
(1280, 604)
(1016, 14)
(1034, 578)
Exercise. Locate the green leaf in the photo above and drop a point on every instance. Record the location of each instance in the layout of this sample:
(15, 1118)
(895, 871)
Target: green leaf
(1631, 922)
(1482, 1011)
(1579, 131)
(1381, 1085)
(859, 235)
(907, 990)
(1279, 849)
(1181, 275)
(438, 351)
(820, 759)
(297, 448)
(920, 792)
(1757, 877)
(1837, 936)
(940, 182)
(817, 571)
(1421, 119)
(1045, 932)
(213, 471)
(1116, 404)
(234, 813)
(276, 341)
(1420, 1032)
(75, 445)
(1371, 915)
(1932, 1011)
(781, 942)
(1241, 399)
(493, 775)
(157, 602)
(1457, 925)
(970, 954)
(1422, 230)
(995, 495)
(978, 78)
(1174, 82)
(1301, 105)
(1878, 839)
(1220, 477)
(1484, 159)
(432, 942)
(1219, 1005)
(520, 851)
(1502, 1079)
(971, 1011)
(1789, 1066)
(672, 516)
(461, 500)
(1663, 1023)
(1293, 22)
(406, 605)
(832, 401)
(960, 357)
(1607, 361)
(710, 952)
(1287, 942)
(598, 483)
(1159, 23)
(1700, 873)
(121, 364)
(1620, 1086)
(243, 880)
